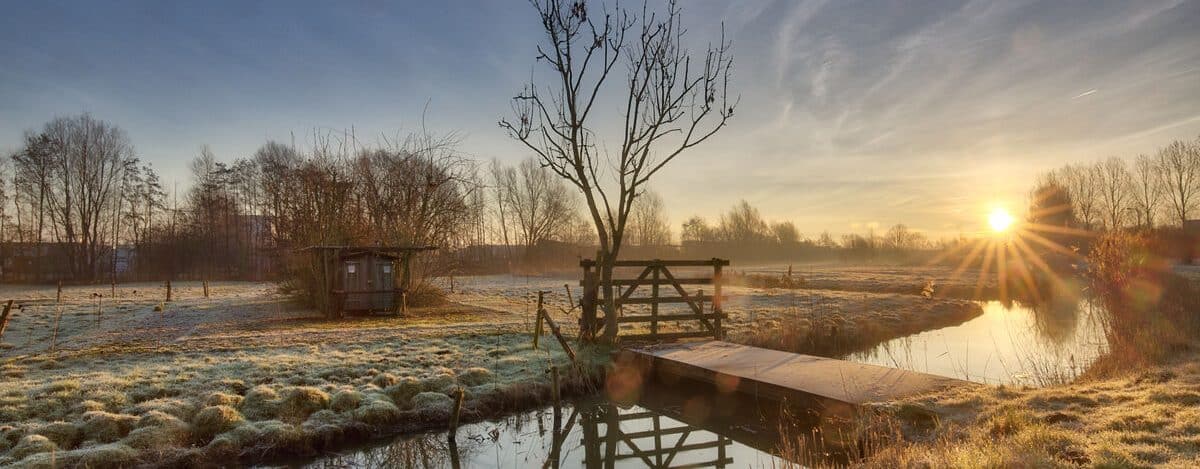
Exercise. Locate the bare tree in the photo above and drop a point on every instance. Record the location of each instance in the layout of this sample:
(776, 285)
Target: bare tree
(1179, 173)
(648, 224)
(697, 230)
(1081, 182)
(785, 232)
(538, 203)
(744, 224)
(1115, 191)
(1147, 191)
(87, 163)
(670, 105)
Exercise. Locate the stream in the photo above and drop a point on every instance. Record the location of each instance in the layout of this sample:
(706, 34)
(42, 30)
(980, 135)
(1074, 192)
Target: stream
(684, 425)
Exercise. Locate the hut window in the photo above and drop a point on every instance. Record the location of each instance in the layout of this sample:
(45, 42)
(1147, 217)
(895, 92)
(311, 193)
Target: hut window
(351, 268)
(387, 269)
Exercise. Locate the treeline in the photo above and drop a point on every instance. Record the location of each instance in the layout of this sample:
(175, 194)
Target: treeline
(1152, 190)
(743, 233)
(76, 186)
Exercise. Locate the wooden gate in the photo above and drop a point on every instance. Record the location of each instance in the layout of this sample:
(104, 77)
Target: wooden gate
(664, 288)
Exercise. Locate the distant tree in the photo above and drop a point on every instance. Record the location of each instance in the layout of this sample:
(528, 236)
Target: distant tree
(1081, 182)
(88, 158)
(540, 204)
(1146, 190)
(825, 240)
(697, 230)
(1115, 191)
(1179, 174)
(785, 232)
(744, 224)
(900, 238)
(648, 224)
(1050, 204)
(671, 103)
(33, 169)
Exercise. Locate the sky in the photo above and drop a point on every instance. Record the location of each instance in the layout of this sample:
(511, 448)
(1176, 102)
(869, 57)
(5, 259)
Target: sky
(852, 114)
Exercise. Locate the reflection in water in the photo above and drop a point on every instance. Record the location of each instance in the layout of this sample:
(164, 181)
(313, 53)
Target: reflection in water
(597, 434)
(1015, 344)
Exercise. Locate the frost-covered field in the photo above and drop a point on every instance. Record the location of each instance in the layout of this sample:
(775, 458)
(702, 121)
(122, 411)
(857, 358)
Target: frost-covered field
(244, 373)
(241, 372)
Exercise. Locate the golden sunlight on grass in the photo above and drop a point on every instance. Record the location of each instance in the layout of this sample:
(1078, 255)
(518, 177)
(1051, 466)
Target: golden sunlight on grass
(1000, 220)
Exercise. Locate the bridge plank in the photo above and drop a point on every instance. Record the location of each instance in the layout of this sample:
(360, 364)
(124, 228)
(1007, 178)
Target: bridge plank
(784, 375)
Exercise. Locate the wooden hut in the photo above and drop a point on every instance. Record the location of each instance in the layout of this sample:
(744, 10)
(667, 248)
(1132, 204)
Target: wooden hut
(361, 278)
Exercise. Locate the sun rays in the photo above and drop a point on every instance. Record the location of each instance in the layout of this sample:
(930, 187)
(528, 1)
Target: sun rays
(1018, 255)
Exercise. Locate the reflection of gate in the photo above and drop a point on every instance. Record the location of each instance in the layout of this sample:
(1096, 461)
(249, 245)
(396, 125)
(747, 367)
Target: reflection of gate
(655, 275)
(648, 440)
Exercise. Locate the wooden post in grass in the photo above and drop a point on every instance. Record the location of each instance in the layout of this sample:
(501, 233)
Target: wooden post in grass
(454, 414)
(4, 317)
(57, 317)
(205, 284)
(537, 328)
(168, 289)
(716, 302)
(404, 303)
(99, 306)
(555, 395)
(558, 335)
(570, 301)
(58, 296)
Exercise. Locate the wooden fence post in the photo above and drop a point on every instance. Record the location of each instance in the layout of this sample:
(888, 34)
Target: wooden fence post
(57, 318)
(458, 402)
(58, 296)
(716, 303)
(537, 323)
(4, 317)
(168, 289)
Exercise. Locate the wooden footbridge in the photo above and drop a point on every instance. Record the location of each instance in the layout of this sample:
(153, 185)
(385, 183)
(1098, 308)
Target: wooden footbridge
(783, 376)
(732, 367)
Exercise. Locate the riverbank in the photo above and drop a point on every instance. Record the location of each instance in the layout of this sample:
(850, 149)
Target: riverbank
(242, 375)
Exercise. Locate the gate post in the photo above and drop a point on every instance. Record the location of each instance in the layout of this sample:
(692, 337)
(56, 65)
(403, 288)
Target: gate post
(587, 303)
(716, 302)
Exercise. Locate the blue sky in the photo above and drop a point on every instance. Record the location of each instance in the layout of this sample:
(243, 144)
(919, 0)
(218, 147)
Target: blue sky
(853, 113)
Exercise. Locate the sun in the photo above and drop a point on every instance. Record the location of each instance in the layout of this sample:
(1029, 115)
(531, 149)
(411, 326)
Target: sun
(1000, 220)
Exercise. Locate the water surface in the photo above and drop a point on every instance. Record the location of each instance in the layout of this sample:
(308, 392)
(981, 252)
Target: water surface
(1008, 344)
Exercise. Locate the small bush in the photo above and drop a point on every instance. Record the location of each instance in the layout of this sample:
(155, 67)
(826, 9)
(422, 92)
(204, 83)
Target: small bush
(376, 409)
(433, 402)
(403, 391)
(260, 403)
(220, 398)
(105, 427)
(345, 400)
(32, 444)
(384, 380)
(215, 419)
(301, 401)
(157, 430)
(475, 376)
(64, 434)
(114, 455)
